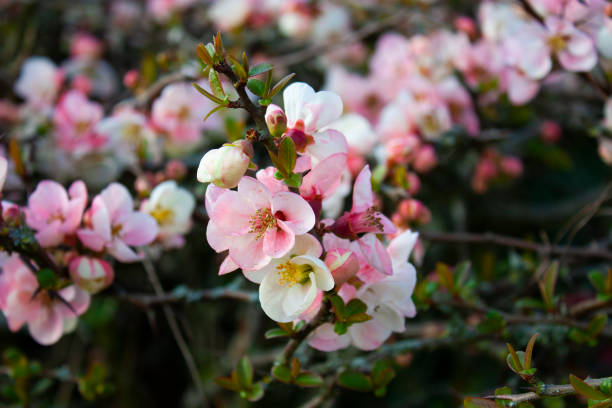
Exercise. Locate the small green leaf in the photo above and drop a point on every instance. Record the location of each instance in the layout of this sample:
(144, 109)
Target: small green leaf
(606, 386)
(204, 54)
(215, 84)
(287, 155)
(356, 381)
(280, 85)
(597, 324)
(603, 404)
(307, 379)
(586, 390)
(529, 351)
(207, 94)
(294, 180)
(338, 305)
(238, 68)
(275, 333)
(513, 360)
(227, 383)
(46, 278)
(255, 393)
(355, 306)
(358, 318)
(282, 373)
(217, 109)
(256, 86)
(492, 323)
(260, 69)
(503, 391)
(598, 281)
(340, 328)
(244, 372)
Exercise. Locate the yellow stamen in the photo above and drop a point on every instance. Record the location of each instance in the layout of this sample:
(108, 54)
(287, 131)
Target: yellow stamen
(261, 221)
(162, 215)
(290, 273)
(557, 43)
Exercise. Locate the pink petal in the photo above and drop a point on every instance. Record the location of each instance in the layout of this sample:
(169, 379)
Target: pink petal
(293, 211)
(321, 110)
(117, 200)
(253, 192)
(322, 181)
(248, 253)
(369, 335)
(324, 338)
(218, 241)
(122, 252)
(278, 241)
(47, 327)
(139, 229)
(295, 97)
(363, 197)
(228, 265)
(91, 239)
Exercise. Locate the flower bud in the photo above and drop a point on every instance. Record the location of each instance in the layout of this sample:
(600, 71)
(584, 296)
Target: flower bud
(512, 166)
(343, 265)
(276, 120)
(550, 131)
(131, 78)
(91, 274)
(414, 211)
(467, 25)
(414, 183)
(425, 159)
(176, 170)
(225, 166)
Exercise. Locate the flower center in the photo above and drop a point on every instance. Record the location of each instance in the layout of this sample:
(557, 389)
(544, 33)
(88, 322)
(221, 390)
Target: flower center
(261, 221)
(557, 42)
(116, 229)
(290, 273)
(162, 215)
(184, 113)
(55, 217)
(372, 219)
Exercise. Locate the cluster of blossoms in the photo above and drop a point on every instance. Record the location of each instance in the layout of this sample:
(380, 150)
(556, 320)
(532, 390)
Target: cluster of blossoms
(72, 134)
(84, 241)
(270, 230)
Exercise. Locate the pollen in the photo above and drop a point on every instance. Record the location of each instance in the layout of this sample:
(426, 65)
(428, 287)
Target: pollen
(373, 219)
(290, 273)
(162, 215)
(557, 42)
(261, 221)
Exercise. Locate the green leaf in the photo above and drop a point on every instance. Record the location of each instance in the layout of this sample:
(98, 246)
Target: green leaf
(46, 278)
(461, 273)
(282, 373)
(209, 95)
(338, 305)
(529, 351)
(280, 85)
(355, 306)
(358, 318)
(606, 386)
(340, 328)
(244, 372)
(257, 87)
(238, 68)
(446, 276)
(204, 54)
(603, 404)
(227, 383)
(268, 84)
(513, 360)
(356, 381)
(598, 281)
(215, 84)
(380, 392)
(503, 391)
(287, 155)
(217, 109)
(307, 379)
(597, 324)
(255, 393)
(477, 402)
(492, 323)
(586, 390)
(275, 333)
(294, 180)
(260, 69)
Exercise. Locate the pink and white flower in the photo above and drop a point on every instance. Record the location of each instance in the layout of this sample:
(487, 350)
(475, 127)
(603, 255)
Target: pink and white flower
(75, 119)
(255, 224)
(46, 315)
(171, 206)
(112, 225)
(39, 81)
(225, 166)
(55, 214)
(91, 274)
(290, 284)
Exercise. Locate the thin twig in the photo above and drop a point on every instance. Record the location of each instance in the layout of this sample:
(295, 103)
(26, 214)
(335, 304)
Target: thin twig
(176, 332)
(546, 390)
(501, 240)
(146, 300)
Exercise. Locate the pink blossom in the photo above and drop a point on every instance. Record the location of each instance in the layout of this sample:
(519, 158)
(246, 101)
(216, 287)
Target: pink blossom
(55, 214)
(550, 131)
(86, 46)
(425, 159)
(343, 265)
(179, 111)
(255, 224)
(46, 315)
(512, 166)
(113, 225)
(163, 9)
(39, 81)
(91, 274)
(323, 180)
(363, 217)
(226, 165)
(573, 47)
(75, 119)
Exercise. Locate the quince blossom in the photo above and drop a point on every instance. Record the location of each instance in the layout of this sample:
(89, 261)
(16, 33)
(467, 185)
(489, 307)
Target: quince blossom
(113, 225)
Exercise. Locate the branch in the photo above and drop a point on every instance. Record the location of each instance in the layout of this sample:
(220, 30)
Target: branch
(53, 374)
(146, 300)
(500, 240)
(321, 317)
(546, 390)
(176, 332)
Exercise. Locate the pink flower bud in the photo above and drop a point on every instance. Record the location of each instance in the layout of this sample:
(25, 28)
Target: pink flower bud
(512, 166)
(91, 274)
(486, 169)
(131, 78)
(276, 120)
(425, 159)
(225, 166)
(467, 25)
(414, 211)
(550, 131)
(414, 183)
(343, 265)
(81, 83)
(176, 170)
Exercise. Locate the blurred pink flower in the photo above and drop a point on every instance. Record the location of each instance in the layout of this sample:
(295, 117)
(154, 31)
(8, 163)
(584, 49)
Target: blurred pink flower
(75, 118)
(53, 213)
(113, 225)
